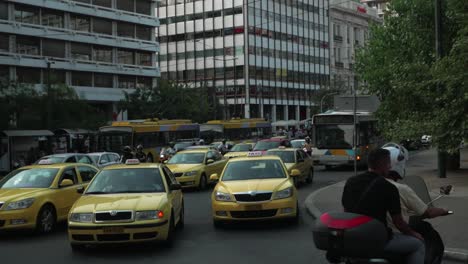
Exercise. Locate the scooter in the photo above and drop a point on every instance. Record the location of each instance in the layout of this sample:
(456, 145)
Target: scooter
(356, 239)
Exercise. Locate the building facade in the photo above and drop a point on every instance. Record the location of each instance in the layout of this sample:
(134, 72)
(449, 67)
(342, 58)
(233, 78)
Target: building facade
(261, 58)
(349, 26)
(379, 5)
(99, 47)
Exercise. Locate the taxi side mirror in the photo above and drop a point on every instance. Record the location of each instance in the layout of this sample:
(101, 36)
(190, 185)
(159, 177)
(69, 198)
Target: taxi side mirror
(80, 190)
(66, 183)
(214, 177)
(175, 186)
(295, 173)
(209, 161)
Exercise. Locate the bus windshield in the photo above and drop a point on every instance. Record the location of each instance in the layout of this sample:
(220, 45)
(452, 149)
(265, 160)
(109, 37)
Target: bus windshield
(334, 136)
(114, 141)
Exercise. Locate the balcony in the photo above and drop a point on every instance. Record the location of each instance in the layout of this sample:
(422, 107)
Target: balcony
(339, 65)
(13, 27)
(338, 38)
(93, 10)
(25, 60)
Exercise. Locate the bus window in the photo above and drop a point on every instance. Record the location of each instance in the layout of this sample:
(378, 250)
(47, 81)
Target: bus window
(334, 136)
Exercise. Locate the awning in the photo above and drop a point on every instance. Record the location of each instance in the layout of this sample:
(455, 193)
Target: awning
(209, 127)
(74, 131)
(28, 133)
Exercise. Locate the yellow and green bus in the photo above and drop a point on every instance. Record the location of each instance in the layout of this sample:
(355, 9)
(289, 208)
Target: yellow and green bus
(236, 129)
(152, 134)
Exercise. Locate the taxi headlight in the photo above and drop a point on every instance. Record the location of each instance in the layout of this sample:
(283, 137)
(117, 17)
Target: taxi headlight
(81, 217)
(286, 193)
(148, 215)
(22, 204)
(191, 173)
(223, 197)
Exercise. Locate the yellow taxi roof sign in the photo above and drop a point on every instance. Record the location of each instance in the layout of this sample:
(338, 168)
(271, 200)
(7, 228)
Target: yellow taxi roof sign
(45, 162)
(254, 154)
(132, 162)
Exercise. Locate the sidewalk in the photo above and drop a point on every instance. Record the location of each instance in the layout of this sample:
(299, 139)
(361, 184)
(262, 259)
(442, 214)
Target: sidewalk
(424, 164)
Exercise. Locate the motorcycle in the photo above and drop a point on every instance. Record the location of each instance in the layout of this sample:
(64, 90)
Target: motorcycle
(357, 239)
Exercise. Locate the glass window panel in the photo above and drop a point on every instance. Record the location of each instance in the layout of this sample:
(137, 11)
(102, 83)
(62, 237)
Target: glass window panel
(82, 78)
(81, 51)
(143, 7)
(4, 42)
(125, 57)
(144, 82)
(127, 82)
(101, 53)
(127, 5)
(103, 80)
(144, 58)
(104, 3)
(57, 76)
(102, 26)
(28, 75)
(125, 30)
(143, 32)
(52, 18)
(3, 10)
(53, 48)
(27, 45)
(80, 23)
(26, 14)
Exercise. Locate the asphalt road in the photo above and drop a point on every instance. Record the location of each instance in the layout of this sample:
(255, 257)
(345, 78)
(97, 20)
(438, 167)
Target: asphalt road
(198, 242)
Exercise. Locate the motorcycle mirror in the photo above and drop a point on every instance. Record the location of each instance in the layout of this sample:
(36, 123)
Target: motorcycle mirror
(446, 190)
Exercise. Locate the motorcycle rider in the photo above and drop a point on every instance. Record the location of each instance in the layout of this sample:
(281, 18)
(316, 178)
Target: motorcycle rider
(140, 155)
(411, 205)
(223, 148)
(127, 154)
(370, 194)
(308, 146)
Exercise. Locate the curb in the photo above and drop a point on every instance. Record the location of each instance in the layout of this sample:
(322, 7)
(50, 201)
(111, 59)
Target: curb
(454, 254)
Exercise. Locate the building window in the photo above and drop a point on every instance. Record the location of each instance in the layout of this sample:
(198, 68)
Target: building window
(103, 80)
(28, 75)
(4, 73)
(127, 5)
(127, 82)
(57, 76)
(51, 18)
(102, 26)
(125, 57)
(27, 45)
(101, 53)
(125, 30)
(143, 7)
(144, 59)
(80, 23)
(3, 10)
(4, 42)
(53, 48)
(144, 82)
(26, 14)
(82, 78)
(104, 3)
(143, 32)
(81, 51)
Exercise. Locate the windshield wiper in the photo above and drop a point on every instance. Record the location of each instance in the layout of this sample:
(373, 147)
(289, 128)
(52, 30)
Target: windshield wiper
(97, 192)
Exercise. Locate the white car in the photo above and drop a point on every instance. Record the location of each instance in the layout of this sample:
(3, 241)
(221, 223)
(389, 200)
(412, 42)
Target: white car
(104, 159)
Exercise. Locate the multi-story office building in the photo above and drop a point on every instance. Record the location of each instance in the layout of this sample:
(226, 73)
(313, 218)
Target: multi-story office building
(262, 58)
(349, 25)
(98, 47)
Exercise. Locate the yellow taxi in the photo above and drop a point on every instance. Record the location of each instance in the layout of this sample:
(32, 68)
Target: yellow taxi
(38, 196)
(131, 202)
(297, 159)
(193, 167)
(253, 188)
(239, 150)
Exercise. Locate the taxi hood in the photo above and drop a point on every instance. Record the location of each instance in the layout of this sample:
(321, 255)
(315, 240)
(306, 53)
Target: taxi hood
(7, 195)
(253, 185)
(183, 167)
(106, 202)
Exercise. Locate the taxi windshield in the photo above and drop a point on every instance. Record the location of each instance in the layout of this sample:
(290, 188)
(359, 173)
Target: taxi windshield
(241, 147)
(253, 169)
(138, 180)
(29, 178)
(187, 158)
(298, 143)
(286, 156)
(266, 145)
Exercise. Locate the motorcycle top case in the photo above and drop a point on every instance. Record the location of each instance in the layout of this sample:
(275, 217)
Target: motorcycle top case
(349, 234)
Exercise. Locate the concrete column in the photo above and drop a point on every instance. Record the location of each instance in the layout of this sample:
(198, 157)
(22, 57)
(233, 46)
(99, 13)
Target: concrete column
(247, 109)
(298, 115)
(286, 112)
(273, 113)
(260, 106)
(308, 110)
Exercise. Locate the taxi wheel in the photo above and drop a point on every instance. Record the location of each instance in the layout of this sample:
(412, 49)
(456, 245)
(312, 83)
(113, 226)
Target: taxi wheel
(46, 219)
(310, 177)
(170, 233)
(181, 223)
(202, 185)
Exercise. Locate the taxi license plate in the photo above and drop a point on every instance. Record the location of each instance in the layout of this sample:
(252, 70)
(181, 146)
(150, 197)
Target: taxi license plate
(253, 207)
(113, 230)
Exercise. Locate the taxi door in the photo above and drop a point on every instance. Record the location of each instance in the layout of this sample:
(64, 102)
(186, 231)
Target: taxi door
(174, 196)
(301, 164)
(218, 165)
(66, 196)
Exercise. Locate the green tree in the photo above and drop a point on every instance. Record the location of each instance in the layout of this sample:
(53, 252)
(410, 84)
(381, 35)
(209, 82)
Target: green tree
(419, 94)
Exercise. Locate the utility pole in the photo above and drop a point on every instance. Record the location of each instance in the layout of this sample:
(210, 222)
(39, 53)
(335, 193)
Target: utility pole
(355, 138)
(441, 154)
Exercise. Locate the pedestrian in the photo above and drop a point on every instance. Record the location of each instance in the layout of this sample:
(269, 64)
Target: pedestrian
(412, 205)
(372, 195)
(308, 146)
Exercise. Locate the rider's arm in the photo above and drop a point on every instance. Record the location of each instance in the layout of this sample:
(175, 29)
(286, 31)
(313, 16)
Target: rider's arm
(404, 228)
(417, 206)
(394, 208)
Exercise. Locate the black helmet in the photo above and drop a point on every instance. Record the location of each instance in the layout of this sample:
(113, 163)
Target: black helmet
(127, 149)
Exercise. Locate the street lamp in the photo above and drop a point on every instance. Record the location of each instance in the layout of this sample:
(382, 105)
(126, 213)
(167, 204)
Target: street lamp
(323, 98)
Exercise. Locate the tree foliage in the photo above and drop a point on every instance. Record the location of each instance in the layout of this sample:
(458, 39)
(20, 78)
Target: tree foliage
(170, 100)
(419, 94)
